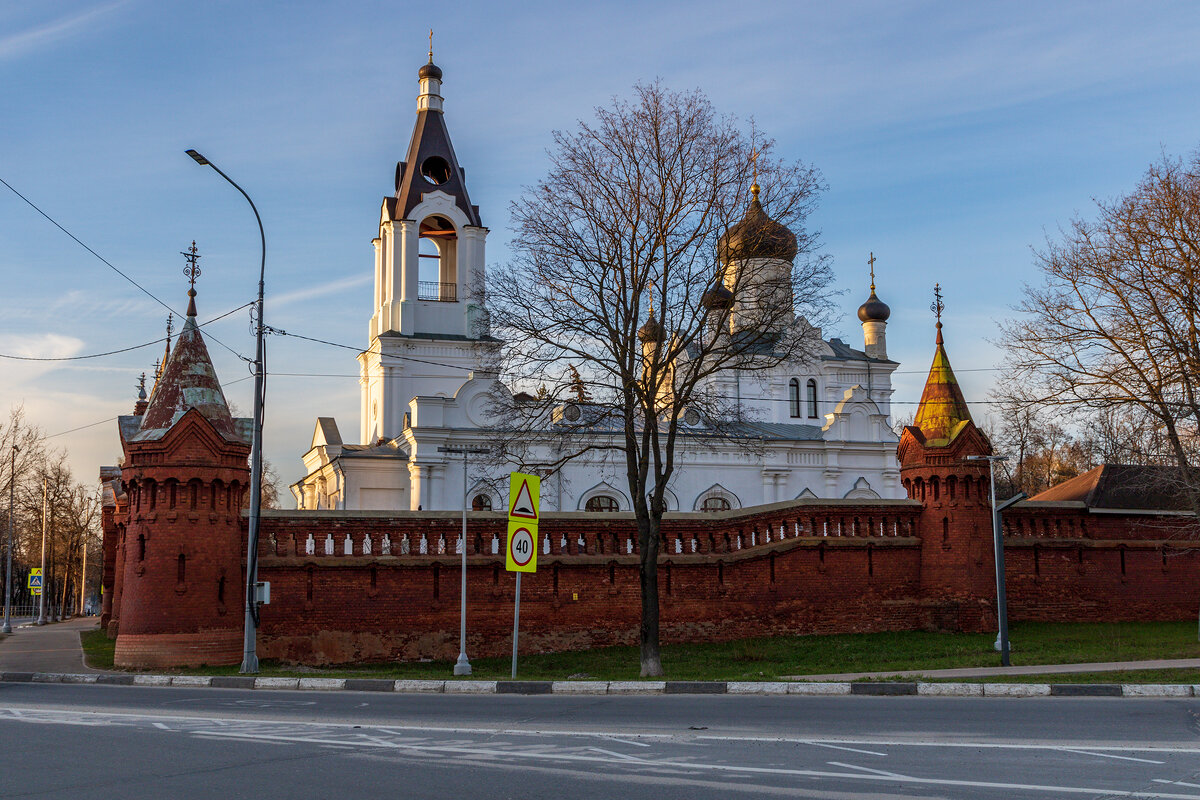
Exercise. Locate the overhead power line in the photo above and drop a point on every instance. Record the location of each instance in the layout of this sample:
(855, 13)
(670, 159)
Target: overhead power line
(110, 265)
(159, 340)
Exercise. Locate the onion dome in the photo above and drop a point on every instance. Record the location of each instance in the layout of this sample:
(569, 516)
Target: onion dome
(717, 298)
(874, 310)
(651, 331)
(430, 70)
(757, 236)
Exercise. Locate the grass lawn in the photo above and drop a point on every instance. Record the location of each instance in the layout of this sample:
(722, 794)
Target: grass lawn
(767, 659)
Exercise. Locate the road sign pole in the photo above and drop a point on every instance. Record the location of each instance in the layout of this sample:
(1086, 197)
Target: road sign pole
(41, 620)
(516, 625)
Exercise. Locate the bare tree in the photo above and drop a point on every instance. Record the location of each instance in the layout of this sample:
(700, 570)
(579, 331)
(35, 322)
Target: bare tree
(622, 272)
(1116, 327)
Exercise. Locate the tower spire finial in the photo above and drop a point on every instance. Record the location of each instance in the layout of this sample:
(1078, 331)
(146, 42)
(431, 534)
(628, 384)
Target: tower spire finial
(871, 262)
(431, 45)
(754, 189)
(937, 306)
(191, 271)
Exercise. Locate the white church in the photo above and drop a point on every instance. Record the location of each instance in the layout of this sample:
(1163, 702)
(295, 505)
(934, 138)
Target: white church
(821, 429)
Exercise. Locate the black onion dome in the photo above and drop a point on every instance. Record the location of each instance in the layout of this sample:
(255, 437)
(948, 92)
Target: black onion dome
(717, 298)
(874, 310)
(430, 70)
(651, 331)
(757, 236)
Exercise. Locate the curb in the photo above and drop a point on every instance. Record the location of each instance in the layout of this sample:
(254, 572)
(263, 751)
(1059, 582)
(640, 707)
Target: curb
(628, 688)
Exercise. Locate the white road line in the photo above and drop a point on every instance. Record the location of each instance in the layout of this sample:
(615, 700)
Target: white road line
(1132, 748)
(161, 727)
(868, 769)
(626, 741)
(1177, 783)
(704, 766)
(1110, 755)
(634, 759)
(851, 749)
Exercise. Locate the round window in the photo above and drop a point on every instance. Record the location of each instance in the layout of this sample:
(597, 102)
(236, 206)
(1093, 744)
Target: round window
(691, 417)
(436, 170)
(571, 413)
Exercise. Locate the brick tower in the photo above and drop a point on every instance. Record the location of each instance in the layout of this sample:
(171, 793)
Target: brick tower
(957, 570)
(178, 595)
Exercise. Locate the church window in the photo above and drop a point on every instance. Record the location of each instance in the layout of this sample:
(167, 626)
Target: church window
(812, 399)
(141, 547)
(715, 504)
(435, 170)
(481, 502)
(601, 502)
(794, 397)
(437, 273)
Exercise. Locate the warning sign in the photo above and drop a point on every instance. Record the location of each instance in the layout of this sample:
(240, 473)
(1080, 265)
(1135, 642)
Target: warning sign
(523, 494)
(524, 491)
(35, 581)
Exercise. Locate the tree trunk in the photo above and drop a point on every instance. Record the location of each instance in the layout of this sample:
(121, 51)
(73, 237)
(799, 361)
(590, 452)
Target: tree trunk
(648, 638)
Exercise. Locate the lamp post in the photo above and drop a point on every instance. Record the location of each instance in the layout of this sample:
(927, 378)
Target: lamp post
(998, 548)
(12, 485)
(41, 620)
(463, 666)
(250, 654)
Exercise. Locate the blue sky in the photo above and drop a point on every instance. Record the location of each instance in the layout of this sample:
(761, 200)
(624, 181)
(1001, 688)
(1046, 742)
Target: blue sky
(953, 136)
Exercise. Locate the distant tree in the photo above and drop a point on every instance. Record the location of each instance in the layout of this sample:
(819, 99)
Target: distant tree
(578, 387)
(1115, 329)
(615, 250)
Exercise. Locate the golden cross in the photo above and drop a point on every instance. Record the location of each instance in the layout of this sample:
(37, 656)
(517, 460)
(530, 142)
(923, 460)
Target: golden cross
(937, 305)
(431, 45)
(871, 261)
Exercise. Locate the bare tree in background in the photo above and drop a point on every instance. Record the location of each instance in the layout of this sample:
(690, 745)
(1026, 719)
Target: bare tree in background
(620, 273)
(1116, 327)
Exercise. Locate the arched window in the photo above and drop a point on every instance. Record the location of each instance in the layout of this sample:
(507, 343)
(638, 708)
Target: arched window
(601, 502)
(720, 503)
(437, 274)
(141, 547)
(812, 399)
(794, 397)
(481, 502)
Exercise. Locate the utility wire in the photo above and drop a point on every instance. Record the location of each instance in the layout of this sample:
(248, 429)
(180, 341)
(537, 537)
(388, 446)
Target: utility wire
(109, 264)
(123, 349)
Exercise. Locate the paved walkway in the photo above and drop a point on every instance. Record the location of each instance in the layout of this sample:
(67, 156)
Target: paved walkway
(990, 672)
(48, 648)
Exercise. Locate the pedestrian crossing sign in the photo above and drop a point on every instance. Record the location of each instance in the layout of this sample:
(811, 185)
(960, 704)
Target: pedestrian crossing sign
(35, 581)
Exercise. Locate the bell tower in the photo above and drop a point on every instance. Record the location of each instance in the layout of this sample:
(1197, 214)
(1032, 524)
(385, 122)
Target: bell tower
(428, 328)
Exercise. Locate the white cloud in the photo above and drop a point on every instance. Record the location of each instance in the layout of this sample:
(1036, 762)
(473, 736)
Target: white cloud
(24, 42)
(333, 287)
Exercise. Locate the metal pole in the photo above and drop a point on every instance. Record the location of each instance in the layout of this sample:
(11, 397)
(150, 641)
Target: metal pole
(250, 628)
(463, 666)
(41, 620)
(998, 545)
(516, 623)
(82, 576)
(12, 487)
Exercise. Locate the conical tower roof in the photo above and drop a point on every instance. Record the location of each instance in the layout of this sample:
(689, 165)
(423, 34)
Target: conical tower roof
(188, 381)
(943, 411)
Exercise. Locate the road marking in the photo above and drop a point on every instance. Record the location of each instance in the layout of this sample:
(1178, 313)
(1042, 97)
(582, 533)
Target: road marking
(1110, 755)
(868, 769)
(620, 755)
(161, 727)
(1177, 783)
(1133, 748)
(626, 741)
(851, 749)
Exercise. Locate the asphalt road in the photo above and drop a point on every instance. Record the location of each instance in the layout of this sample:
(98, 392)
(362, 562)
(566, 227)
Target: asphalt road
(119, 742)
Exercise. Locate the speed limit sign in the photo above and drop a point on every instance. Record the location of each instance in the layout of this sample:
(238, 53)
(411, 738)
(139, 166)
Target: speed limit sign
(522, 548)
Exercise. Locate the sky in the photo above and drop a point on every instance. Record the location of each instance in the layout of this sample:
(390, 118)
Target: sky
(953, 137)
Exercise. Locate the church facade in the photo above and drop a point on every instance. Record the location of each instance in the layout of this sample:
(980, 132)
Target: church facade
(818, 429)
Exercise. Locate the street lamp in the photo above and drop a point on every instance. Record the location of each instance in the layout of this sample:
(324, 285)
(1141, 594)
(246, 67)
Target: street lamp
(998, 548)
(12, 485)
(249, 654)
(463, 666)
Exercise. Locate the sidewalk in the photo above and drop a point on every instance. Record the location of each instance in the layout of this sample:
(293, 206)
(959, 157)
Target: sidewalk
(991, 672)
(48, 648)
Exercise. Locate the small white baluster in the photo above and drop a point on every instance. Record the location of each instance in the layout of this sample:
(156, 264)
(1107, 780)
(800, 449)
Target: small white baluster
(405, 546)
(367, 545)
(424, 544)
(441, 543)
(495, 544)
(628, 545)
(695, 544)
(385, 545)
(348, 546)
(310, 547)
(678, 546)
